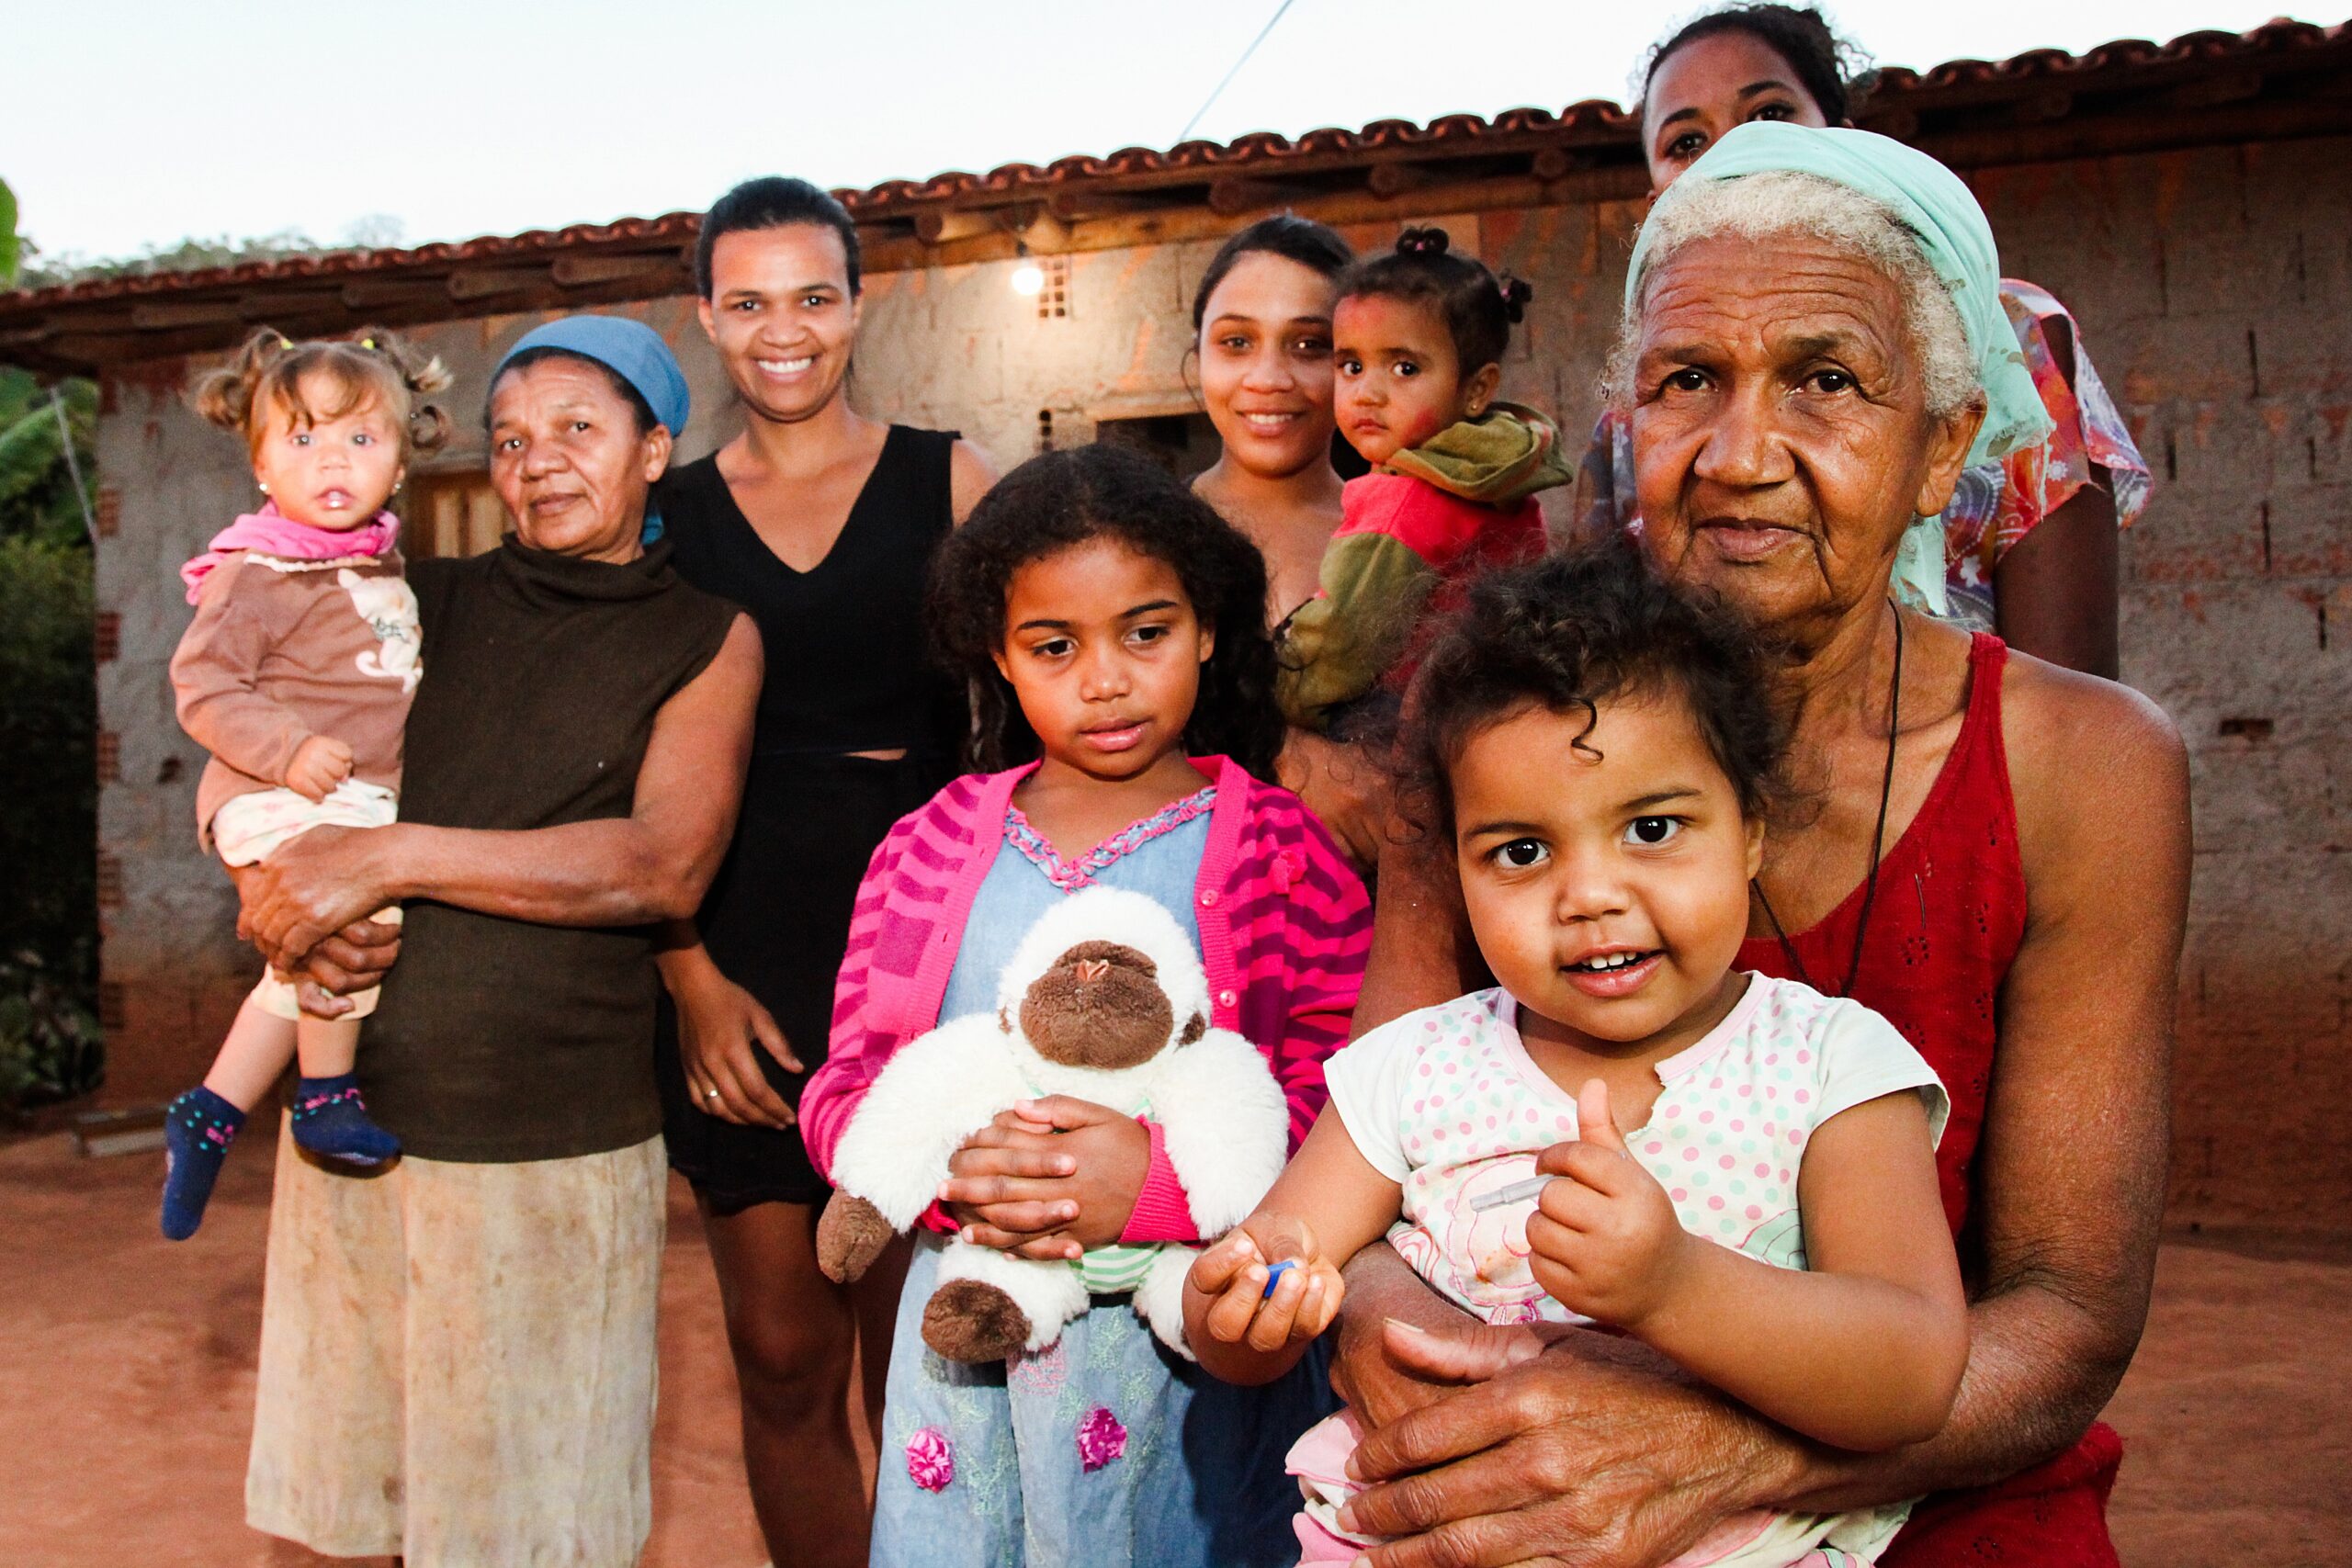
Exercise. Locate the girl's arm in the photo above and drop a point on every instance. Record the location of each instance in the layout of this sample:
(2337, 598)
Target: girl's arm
(857, 1050)
(651, 865)
(1861, 1350)
(1323, 940)
(1328, 1205)
(213, 685)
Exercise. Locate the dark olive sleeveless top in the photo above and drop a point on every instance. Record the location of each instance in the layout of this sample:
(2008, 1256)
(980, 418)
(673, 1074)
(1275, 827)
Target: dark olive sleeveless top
(500, 1041)
(848, 662)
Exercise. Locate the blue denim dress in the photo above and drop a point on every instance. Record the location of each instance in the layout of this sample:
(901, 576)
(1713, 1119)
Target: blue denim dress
(1104, 1449)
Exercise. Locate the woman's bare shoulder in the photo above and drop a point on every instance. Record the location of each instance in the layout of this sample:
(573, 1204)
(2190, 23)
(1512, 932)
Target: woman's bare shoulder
(2095, 767)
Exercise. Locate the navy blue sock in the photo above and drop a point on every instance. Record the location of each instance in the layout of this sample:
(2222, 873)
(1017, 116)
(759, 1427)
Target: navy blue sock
(330, 1119)
(197, 1129)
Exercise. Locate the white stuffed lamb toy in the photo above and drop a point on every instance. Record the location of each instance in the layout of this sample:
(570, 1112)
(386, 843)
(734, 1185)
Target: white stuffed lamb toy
(1105, 1001)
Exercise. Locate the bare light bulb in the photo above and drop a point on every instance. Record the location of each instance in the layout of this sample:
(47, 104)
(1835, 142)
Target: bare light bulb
(1028, 278)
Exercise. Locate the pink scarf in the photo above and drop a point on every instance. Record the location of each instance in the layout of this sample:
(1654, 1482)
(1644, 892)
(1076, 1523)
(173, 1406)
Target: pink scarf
(272, 532)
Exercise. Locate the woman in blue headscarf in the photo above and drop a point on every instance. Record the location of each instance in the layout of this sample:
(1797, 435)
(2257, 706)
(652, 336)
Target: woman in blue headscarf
(457, 1358)
(1994, 857)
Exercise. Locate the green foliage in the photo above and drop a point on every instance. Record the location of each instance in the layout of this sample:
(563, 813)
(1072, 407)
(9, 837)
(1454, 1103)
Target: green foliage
(7, 236)
(48, 915)
(48, 756)
(37, 495)
(50, 1045)
(196, 255)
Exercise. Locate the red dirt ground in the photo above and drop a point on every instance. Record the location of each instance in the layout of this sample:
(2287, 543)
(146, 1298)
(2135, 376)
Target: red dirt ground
(128, 1363)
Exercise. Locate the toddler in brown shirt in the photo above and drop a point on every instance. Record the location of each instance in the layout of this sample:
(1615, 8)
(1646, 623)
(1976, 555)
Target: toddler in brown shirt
(296, 676)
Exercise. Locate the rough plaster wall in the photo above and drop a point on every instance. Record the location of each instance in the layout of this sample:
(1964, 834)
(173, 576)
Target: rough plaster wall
(2215, 289)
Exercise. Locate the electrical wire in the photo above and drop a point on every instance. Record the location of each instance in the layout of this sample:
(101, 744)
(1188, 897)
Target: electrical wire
(1218, 90)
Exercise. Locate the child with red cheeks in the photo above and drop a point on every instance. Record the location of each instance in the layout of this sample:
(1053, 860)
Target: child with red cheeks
(1628, 1133)
(1418, 336)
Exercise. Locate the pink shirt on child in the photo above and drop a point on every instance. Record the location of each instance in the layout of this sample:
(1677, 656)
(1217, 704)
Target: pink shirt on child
(1286, 926)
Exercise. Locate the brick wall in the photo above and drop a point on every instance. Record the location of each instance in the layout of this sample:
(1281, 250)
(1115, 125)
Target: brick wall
(2215, 293)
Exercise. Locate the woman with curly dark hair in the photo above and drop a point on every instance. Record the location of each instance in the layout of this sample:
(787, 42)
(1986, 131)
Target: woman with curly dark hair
(1111, 627)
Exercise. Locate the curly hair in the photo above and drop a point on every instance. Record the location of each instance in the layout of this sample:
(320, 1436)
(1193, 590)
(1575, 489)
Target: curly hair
(1479, 309)
(265, 375)
(1059, 500)
(1575, 630)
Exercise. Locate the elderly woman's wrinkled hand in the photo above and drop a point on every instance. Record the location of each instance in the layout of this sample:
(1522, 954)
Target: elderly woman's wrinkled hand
(1591, 1454)
(311, 888)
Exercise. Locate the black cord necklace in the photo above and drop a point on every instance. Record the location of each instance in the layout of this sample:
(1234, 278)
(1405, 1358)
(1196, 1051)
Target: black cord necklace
(1878, 838)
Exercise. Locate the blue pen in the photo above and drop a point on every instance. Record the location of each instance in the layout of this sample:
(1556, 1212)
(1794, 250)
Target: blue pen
(1274, 1276)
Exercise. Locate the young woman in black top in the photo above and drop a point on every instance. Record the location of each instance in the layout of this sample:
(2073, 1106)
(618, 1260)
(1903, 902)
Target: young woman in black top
(820, 522)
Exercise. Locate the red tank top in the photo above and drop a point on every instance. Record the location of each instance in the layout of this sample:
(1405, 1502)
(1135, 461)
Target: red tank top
(1949, 915)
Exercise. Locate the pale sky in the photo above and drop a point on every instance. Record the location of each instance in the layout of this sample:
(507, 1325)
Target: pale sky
(137, 122)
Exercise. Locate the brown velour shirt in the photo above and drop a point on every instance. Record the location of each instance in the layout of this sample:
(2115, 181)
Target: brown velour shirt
(282, 650)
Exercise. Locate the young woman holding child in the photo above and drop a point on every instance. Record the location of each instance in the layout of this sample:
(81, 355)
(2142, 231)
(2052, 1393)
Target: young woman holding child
(1261, 338)
(1113, 628)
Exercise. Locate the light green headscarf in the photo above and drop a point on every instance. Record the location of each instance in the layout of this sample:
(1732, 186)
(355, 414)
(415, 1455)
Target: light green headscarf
(1940, 212)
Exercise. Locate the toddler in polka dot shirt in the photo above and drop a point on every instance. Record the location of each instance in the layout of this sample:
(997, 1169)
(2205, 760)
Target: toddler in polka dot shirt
(1628, 1133)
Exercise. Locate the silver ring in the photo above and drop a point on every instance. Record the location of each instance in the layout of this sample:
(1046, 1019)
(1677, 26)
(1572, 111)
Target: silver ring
(710, 1094)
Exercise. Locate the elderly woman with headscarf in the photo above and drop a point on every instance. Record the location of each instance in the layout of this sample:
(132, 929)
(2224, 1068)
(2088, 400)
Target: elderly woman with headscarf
(1995, 858)
(457, 1358)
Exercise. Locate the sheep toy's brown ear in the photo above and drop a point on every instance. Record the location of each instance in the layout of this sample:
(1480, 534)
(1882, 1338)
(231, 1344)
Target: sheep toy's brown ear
(1195, 1027)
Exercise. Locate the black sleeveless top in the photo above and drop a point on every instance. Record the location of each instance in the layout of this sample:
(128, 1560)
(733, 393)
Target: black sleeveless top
(848, 663)
(500, 1041)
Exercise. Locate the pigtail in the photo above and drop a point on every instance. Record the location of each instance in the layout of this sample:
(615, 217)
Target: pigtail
(1479, 308)
(1516, 293)
(429, 428)
(268, 368)
(224, 396)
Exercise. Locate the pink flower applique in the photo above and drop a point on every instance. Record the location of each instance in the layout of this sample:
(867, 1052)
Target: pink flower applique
(1100, 1438)
(931, 1461)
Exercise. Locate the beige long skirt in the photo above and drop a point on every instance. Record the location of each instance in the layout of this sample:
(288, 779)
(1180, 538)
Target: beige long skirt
(458, 1361)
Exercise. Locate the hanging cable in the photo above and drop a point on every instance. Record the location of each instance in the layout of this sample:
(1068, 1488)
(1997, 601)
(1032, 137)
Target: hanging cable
(73, 465)
(1229, 75)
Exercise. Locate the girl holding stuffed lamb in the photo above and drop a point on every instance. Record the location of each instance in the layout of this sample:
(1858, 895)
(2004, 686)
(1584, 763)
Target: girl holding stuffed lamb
(1111, 629)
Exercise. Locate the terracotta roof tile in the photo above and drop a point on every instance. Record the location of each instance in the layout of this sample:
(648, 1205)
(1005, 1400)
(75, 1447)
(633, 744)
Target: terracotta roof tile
(99, 321)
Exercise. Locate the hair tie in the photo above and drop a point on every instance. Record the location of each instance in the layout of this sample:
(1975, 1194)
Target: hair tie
(1516, 293)
(283, 343)
(1423, 242)
(368, 344)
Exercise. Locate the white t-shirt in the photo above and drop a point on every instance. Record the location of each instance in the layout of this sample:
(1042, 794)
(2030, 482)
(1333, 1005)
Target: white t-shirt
(1447, 1102)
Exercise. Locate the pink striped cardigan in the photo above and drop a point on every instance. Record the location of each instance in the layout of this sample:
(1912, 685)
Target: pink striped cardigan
(1285, 926)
